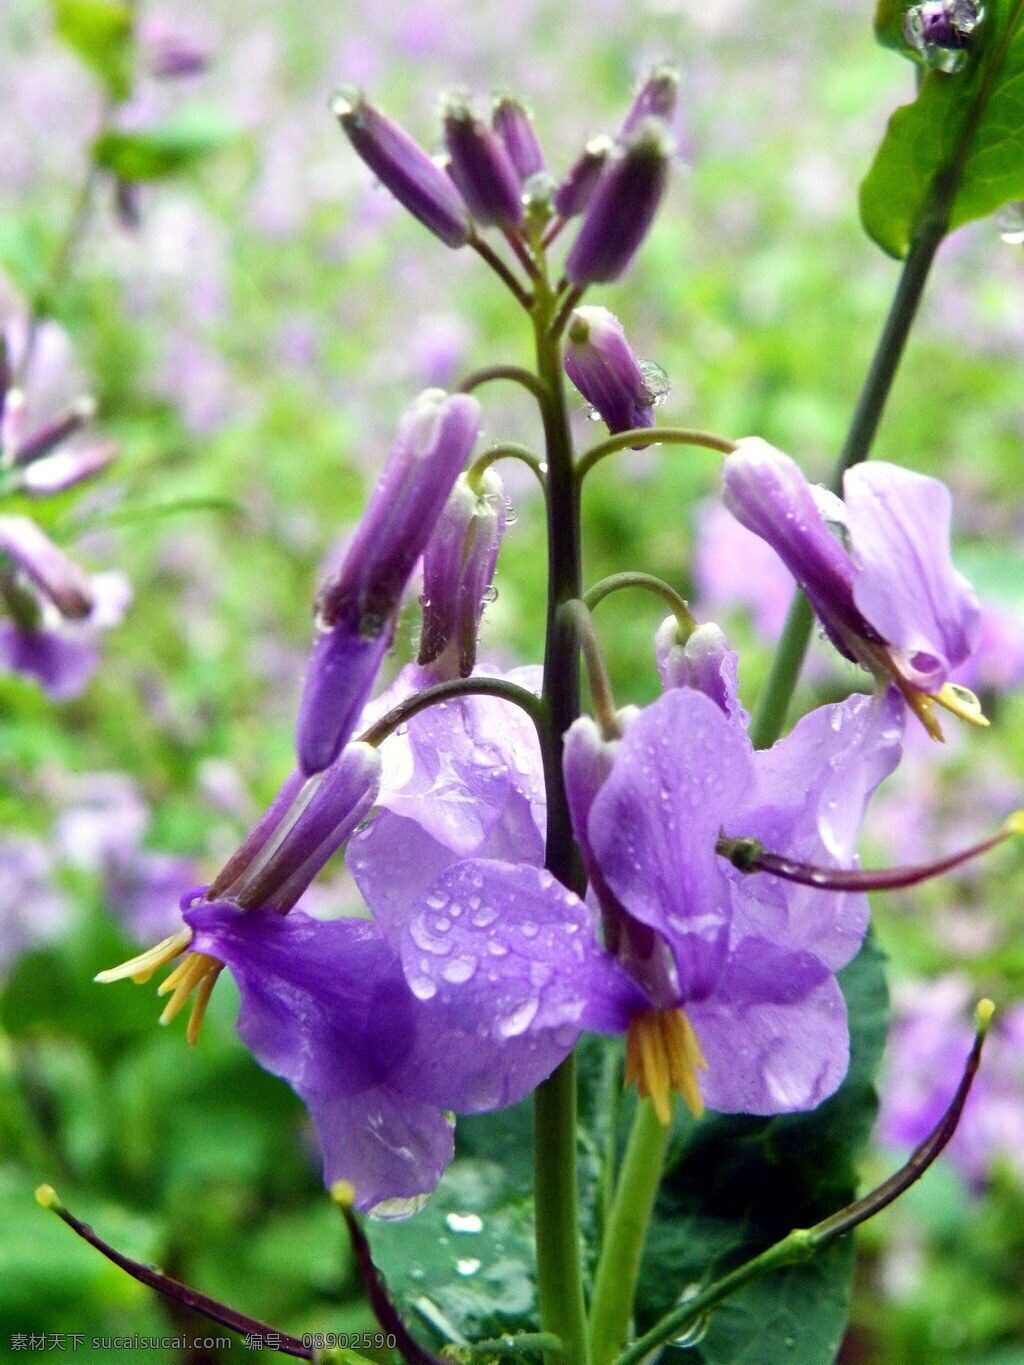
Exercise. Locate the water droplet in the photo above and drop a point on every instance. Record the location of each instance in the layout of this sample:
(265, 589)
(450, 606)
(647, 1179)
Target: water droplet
(491, 594)
(391, 1210)
(468, 1266)
(423, 988)
(512, 1025)
(459, 969)
(528, 929)
(656, 382)
(464, 1222)
(511, 515)
(1010, 223)
(483, 916)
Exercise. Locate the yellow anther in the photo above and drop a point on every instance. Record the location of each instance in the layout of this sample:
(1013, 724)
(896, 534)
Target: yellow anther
(962, 702)
(662, 1056)
(141, 968)
(983, 1012)
(343, 1192)
(197, 973)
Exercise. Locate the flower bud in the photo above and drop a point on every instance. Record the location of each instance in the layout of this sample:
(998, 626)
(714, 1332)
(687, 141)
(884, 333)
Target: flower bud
(602, 365)
(575, 192)
(514, 126)
(704, 662)
(64, 468)
(47, 437)
(458, 566)
(622, 207)
(404, 168)
(58, 577)
(481, 167)
(356, 608)
(656, 98)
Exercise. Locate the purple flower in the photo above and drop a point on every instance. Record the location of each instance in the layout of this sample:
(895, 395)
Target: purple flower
(512, 122)
(357, 607)
(735, 568)
(62, 654)
(575, 192)
(884, 588)
(32, 910)
(602, 365)
(751, 963)
(703, 661)
(656, 98)
(458, 566)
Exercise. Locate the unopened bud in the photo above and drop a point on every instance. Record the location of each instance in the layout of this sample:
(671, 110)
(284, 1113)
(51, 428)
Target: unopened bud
(576, 190)
(58, 577)
(602, 365)
(622, 207)
(357, 607)
(481, 167)
(704, 662)
(63, 469)
(47, 437)
(458, 566)
(404, 168)
(514, 126)
(656, 98)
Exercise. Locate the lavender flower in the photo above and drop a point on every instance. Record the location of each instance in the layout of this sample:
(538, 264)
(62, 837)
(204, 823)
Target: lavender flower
(602, 365)
(404, 168)
(32, 910)
(458, 566)
(61, 654)
(702, 661)
(357, 606)
(622, 207)
(656, 98)
(886, 592)
(575, 192)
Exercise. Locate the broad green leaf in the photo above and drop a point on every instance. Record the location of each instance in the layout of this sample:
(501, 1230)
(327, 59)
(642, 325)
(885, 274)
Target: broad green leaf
(462, 1266)
(100, 31)
(963, 136)
(735, 1185)
(167, 149)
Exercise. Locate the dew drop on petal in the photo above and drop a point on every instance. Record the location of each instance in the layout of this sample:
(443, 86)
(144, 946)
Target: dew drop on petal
(458, 970)
(520, 1019)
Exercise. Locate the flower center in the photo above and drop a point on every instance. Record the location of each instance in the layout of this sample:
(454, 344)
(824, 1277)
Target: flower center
(662, 1055)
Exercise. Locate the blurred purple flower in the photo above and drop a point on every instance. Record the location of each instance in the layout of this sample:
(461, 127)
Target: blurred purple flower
(60, 654)
(734, 568)
(32, 910)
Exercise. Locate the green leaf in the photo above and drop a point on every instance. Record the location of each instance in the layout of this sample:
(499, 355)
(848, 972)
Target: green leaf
(462, 1266)
(100, 31)
(959, 147)
(166, 149)
(737, 1184)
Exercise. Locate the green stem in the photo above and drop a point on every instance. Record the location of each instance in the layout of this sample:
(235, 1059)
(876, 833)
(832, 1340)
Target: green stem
(651, 436)
(445, 691)
(506, 450)
(615, 582)
(556, 1187)
(597, 670)
(624, 1236)
(515, 373)
(804, 1243)
(773, 703)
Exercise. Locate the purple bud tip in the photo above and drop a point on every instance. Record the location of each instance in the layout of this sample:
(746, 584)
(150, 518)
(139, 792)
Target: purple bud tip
(63, 582)
(514, 126)
(404, 168)
(481, 167)
(656, 98)
(602, 365)
(622, 207)
(575, 192)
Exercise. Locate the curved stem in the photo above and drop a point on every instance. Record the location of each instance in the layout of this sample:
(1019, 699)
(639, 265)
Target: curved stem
(597, 669)
(615, 582)
(516, 373)
(445, 691)
(507, 450)
(570, 301)
(803, 1243)
(617, 1270)
(649, 436)
(487, 252)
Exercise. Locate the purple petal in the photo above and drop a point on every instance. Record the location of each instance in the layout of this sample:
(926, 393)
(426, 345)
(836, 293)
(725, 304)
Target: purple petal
(905, 584)
(60, 578)
(62, 666)
(326, 1007)
(681, 769)
(774, 1033)
(808, 801)
(705, 662)
(512, 954)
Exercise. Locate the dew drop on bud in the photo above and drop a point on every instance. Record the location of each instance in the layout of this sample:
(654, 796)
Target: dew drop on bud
(656, 382)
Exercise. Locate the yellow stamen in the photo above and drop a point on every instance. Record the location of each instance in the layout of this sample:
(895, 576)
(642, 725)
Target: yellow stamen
(203, 992)
(189, 976)
(963, 703)
(141, 968)
(663, 1055)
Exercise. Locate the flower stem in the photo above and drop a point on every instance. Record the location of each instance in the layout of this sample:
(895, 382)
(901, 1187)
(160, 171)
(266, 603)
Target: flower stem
(651, 436)
(777, 692)
(556, 1186)
(624, 1236)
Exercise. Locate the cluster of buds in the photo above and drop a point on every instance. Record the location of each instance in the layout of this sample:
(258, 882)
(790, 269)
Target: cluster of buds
(494, 175)
(47, 597)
